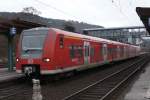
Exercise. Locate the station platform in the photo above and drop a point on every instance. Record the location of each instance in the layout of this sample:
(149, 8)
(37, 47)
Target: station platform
(5, 75)
(140, 89)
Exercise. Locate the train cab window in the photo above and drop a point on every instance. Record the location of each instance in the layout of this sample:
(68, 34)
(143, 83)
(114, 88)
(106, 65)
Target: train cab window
(61, 41)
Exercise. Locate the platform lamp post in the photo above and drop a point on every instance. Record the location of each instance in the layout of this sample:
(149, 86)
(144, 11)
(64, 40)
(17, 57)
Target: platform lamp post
(11, 34)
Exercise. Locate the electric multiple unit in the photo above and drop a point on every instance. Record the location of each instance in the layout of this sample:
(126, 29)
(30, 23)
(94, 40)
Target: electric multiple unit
(52, 51)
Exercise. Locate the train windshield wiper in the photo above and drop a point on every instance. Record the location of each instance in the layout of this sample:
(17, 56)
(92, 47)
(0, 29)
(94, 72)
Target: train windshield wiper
(31, 49)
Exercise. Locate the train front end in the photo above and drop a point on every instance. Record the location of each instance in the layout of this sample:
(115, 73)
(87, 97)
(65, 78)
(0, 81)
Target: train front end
(31, 55)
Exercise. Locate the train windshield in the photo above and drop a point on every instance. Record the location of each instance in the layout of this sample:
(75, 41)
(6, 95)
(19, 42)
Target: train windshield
(32, 43)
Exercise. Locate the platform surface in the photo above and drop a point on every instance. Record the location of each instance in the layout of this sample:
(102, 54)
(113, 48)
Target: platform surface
(6, 75)
(140, 90)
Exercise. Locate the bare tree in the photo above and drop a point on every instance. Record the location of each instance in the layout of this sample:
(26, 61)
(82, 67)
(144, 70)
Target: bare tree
(31, 10)
(68, 26)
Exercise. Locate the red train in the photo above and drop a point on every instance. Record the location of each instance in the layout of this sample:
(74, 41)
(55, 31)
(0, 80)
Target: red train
(51, 51)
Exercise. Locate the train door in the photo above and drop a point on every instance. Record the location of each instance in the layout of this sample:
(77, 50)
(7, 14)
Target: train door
(118, 52)
(86, 52)
(105, 52)
(110, 54)
(124, 52)
(113, 52)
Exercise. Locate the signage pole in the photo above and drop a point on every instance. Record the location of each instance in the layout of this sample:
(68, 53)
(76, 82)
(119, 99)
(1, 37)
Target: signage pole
(10, 53)
(10, 48)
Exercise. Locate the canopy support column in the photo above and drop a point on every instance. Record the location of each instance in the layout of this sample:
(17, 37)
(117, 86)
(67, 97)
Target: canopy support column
(10, 53)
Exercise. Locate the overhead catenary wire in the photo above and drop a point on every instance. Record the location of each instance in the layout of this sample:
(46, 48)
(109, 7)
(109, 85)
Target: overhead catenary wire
(121, 11)
(130, 21)
(58, 10)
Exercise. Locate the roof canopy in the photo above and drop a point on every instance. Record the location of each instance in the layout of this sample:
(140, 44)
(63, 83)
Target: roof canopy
(6, 24)
(144, 14)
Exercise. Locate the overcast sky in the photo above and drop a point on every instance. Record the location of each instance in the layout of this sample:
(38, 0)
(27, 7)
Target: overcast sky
(108, 13)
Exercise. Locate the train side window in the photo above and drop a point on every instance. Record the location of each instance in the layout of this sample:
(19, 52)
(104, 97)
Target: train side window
(104, 49)
(86, 51)
(61, 41)
(92, 51)
(122, 51)
(118, 49)
(100, 50)
(125, 51)
(110, 50)
(115, 50)
(72, 51)
(79, 51)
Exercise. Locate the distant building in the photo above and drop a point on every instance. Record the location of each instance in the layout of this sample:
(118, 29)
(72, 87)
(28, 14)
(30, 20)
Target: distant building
(146, 43)
(130, 35)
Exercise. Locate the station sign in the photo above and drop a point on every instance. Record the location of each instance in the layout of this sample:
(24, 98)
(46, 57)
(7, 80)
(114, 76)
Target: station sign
(12, 31)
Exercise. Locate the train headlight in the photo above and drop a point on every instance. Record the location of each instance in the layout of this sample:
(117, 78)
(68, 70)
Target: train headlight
(17, 59)
(46, 59)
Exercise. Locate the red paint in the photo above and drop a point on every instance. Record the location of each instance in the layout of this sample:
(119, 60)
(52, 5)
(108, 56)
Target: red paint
(60, 57)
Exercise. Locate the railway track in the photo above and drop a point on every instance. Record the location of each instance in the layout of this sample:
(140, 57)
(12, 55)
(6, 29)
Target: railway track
(5, 94)
(19, 91)
(12, 89)
(106, 87)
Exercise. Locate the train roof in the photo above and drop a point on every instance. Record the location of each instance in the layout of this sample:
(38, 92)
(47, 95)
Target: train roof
(59, 31)
(86, 37)
(37, 28)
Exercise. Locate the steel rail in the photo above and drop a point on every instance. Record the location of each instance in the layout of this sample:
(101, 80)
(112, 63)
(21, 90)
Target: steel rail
(100, 81)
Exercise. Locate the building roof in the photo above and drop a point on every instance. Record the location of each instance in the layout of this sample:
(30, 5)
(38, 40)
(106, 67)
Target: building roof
(144, 14)
(6, 24)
